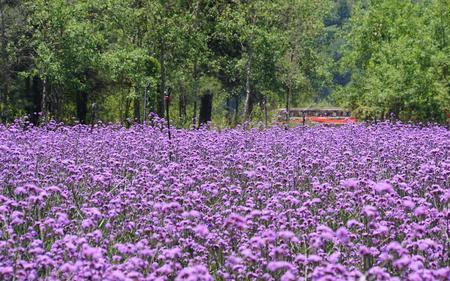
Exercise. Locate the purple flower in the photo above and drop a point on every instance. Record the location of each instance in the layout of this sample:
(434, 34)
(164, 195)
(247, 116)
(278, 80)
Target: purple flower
(288, 276)
(325, 232)
(108, 203)
(421, 211)
(369, 211)
(235, 221)
(87, 223)
(194, 273)
(6, 270)
(402, 262)
(288, 236)
(117, 275)
(279, 265)
(314, 259)
(350, 183)
(383, 187)
(201, 230)
(408, 204)
(343, 235)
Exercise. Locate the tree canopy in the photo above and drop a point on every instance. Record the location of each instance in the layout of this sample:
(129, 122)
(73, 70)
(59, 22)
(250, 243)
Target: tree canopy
(247, 57)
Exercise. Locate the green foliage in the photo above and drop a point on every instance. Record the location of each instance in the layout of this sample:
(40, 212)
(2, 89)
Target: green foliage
(399, 55)
(254, 56)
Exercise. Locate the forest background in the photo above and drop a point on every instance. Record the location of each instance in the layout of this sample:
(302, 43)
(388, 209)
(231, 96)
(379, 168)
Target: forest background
(227, 61)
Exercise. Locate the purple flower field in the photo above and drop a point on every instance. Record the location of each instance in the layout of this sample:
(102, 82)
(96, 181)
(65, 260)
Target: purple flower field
(323, 203)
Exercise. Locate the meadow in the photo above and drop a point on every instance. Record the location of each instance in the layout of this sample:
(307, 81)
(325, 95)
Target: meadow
(355, 202)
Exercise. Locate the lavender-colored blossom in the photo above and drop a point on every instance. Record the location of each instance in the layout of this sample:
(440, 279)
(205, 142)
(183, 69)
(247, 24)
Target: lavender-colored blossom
(343, 235)
(353, 202)
(279, 265)
(383, 187)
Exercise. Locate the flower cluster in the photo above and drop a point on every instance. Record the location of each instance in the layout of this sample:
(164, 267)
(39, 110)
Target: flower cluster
(319, 203)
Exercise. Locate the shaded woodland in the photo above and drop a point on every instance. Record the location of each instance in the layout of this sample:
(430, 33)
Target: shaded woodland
(222, 61)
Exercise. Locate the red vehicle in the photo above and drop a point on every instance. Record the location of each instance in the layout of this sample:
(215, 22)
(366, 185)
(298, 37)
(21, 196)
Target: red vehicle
(333, 115)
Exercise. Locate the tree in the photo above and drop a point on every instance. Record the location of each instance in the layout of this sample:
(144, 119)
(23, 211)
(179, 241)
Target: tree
(13, 53)
(222, 58)
(67, 47)
(247, 26)
(301, 25)
(128, 60)
(398, 65)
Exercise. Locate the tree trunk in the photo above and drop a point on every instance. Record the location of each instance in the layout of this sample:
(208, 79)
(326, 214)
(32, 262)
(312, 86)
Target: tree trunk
(33, 85)
(236, 111)
(136, 109)
(4, 113)
(228, 111)
(205, 108)
(44, 102)
(288, 97)
(50, 103)
(82, 107)
(265, 112)
(248, 97)
(154, 100)
(93, 115)
(195, 93)
(121, 101)
(57, 104)
(194, 117)
(162, 84)
(182, 102)
(248, 105)
(5, 59)
(127, 112)
(289, 88)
